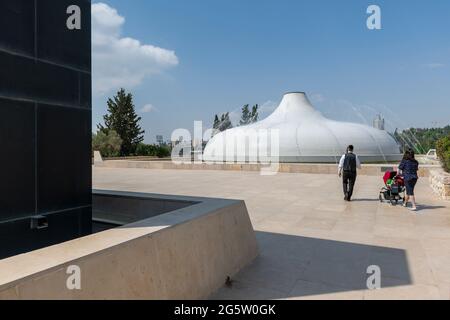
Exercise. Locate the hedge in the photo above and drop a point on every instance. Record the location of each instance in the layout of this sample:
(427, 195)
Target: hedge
(149, 150)
(443, 152)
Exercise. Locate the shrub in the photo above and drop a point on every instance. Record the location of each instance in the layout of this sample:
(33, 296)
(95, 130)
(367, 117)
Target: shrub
(163, 151)
(145, 150)
(108, 144)
(443, 152)
(149, 150)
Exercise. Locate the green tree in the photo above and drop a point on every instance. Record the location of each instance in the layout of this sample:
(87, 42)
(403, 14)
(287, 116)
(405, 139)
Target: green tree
(254, 116)
(249, 117)
(421, 140)
(246, 116)
(225, 122)
(108, 144)
(216, 125)
(123, 119)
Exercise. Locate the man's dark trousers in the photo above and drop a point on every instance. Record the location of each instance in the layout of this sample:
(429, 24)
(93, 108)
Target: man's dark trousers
(349, 179)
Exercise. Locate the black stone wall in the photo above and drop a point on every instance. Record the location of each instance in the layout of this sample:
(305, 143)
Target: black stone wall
(45, 123)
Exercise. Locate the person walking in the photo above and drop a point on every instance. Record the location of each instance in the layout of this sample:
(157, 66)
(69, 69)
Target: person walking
(348, 166)
(408, 169)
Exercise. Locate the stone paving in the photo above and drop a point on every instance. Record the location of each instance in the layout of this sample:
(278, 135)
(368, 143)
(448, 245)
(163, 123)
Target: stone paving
(313, 245)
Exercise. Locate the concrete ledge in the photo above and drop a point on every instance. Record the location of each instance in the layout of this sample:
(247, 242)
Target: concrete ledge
(97, 157)
(185, 254)
(440, 183)
(313, 168)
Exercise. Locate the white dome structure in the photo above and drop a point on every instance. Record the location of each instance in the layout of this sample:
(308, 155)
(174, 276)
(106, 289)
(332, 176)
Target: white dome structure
(302, 134)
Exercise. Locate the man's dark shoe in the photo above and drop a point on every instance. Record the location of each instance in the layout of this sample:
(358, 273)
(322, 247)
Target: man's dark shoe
(346, 197)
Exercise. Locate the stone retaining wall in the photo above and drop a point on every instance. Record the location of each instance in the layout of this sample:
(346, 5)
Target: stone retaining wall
(440, 183)
(311, 168)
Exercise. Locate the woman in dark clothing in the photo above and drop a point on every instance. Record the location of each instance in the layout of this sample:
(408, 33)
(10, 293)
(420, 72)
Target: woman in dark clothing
(408, 168)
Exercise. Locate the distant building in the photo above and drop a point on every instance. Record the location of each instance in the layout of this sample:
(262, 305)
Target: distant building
(178, 141)
(378, 122)
(160, 140)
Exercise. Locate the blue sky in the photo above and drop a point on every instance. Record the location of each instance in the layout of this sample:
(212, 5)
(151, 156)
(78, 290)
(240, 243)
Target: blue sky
(189, 60)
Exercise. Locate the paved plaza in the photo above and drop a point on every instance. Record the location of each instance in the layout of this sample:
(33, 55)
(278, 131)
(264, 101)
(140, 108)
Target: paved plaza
(313, 245)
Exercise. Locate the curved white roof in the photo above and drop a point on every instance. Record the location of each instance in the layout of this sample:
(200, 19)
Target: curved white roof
(305, 135)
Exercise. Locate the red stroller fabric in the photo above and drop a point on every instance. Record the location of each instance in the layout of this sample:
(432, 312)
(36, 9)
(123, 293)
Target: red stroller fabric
(393, 175)
(389, 175)
(399, 180)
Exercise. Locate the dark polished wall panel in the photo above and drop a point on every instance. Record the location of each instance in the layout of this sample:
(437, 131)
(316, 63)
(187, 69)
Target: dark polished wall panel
(69, 47)
(39, 81)
(17, 26)
(62, 226)
(56, 85)
(85, 91)
(45, 124)
(17, 76)
(64, 176)
(17, 182)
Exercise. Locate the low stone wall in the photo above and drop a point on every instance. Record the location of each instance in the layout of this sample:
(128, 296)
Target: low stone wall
(184, 254)
(440, 183)
(313, 168)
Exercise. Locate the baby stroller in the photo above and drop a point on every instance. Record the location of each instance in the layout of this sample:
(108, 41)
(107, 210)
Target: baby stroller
(394, 188)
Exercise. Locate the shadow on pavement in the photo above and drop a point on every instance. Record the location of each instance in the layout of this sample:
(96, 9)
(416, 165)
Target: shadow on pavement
(295, 266)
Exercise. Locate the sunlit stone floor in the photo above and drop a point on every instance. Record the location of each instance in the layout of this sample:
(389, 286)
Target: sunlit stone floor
(313, 245)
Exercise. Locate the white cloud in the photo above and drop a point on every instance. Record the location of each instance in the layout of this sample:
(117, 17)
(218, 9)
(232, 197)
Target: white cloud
(148, 108)
(435, 65)
(121, 61)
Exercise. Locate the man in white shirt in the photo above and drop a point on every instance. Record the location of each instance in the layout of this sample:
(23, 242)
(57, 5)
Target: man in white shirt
(348, 166)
